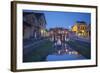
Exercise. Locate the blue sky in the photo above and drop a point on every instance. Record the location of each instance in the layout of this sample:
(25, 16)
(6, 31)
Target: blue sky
(63, 19)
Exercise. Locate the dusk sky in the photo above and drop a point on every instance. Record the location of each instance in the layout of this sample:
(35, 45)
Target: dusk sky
(63, 19)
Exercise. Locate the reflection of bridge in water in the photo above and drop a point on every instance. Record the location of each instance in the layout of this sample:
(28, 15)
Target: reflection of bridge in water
(63, 48)
(64, 52)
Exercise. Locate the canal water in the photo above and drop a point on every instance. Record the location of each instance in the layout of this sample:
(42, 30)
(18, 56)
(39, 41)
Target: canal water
(64, 52)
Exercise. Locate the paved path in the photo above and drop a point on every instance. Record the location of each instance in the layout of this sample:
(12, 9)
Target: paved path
(82, 39)
(30, 47)
(34, 43)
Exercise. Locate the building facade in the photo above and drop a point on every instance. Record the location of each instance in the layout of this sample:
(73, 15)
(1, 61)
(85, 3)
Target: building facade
(89, 31)
(81, 29)
(34, 25)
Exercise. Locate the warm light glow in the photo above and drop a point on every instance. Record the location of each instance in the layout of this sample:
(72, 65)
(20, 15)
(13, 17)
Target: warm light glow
(42, 31)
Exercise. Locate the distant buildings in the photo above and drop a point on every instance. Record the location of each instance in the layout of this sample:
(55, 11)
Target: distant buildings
(58, 33)
(89, 31)
(34, 25)
(81, 29)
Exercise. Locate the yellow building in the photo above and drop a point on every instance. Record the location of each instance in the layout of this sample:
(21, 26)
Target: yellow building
(80, 28)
